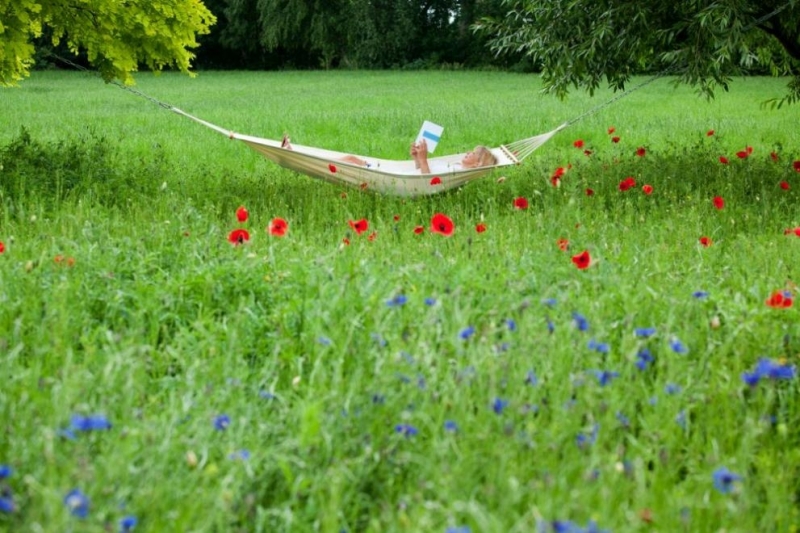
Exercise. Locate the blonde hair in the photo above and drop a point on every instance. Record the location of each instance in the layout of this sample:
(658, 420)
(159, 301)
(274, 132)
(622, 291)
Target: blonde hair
(485, 157)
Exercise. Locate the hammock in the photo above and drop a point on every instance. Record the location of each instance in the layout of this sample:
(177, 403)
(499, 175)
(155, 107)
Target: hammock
(399, 178)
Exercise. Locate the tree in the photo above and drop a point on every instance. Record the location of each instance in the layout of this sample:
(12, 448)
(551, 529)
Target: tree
(116, 35)
(704, 43)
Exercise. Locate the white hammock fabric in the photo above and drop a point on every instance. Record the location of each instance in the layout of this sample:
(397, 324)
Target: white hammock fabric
(398, 178)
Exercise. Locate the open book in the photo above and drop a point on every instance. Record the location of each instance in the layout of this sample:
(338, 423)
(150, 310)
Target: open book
(431, 133)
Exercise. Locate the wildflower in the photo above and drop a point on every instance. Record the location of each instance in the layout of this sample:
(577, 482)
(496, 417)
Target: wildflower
(580, 321)
(672, 388)
(458, 529)
(641, 151)
(709, 133)
(586, 439)
(723, 160)
(77, 502)
(604, 377)
(418, 230)
(406, 430)
(436, 180)
(7, 503)
(442, 224)
(89, 423)
(467, 332)
(332, 168)
(550, 326)
(644, 332)
(511, 324)
(240, 455)
(718, 202)
(372, 236)
(563, 244)
(611, 130)
(680, 419)
(531, 379)
(643, 359)
(221, 422)
(678, 347)
(521, 203)
(450, 426)
(549, 302)
(785, 185)
(706, 241)
(582, 260)
(769, 369)
(624, 420)
(5, 471)
(555, 182)
(774, 156)
(796, 166)
(323, 340)
(359, 226)
(480, 227)
(241, 214)
(700, 295)
(587, 153)
(578, 143)
(430, 302)
(600, 347)
(498, 405)
(238, 236)
(742, 154)
(278, 227)
(2, 247)
(780, 300)
(724, 479)
(589, 192)
(615, 139)
(627, 183)
(127, 524)
(647, 189)
(397, 301)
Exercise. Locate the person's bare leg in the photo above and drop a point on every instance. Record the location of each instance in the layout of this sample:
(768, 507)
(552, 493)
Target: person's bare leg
(354, 160)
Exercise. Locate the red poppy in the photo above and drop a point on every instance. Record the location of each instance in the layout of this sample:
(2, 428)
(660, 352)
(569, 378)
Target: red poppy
(332, 168)
(615, 139)
(555, 181)
(372, 236)
(278, 227)
(359, 226)
(2, 247)
(418, 230)
(578, 143)
(346, 241)
(363, 186)
(709, 133)
(238, 236)
(719, 203)
(774, 156)
(436, 180)
(780, 300)
(480, 227)
(521, 203)
(641, 151)
(560, 171)
(589, 192)
(587, 153)
(749, 150)
(241, 214)
(58, 259)
(563, 244)
(796, 231)
(785, 185)
(742, 154)
(582, 260)
(723, 160)
(647, 189)
(442, 224)
(396, 218)
(611, 130)
(343, 195)
(627, 183)
(796, 166)
(705, 241)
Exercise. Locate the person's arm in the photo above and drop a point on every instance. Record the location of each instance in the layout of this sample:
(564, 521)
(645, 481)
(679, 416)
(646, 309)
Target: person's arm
(420, 154)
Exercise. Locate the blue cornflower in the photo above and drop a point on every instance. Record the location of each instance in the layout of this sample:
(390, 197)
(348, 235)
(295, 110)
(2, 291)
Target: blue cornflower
(77, 502)
(592, 527)
(240, 455)
(5, 471)
(751, 378)
(549, 302)
(724, 479)
(458, 529)
(450, 426)
(672, 388)
(531, 379)
(266, 395)
(378, 399)
(467, 332)
(678, 347)
(624, 420)
(378, 339)
(601, 347)
(550, 326)
(397, 301)
(580, 321)
(700, 295)
(498, 405)
(511, 324)
(644, 332)
(565, 526)
(430, 301)
(767, 368)
(604, 377)
(587, 439)
(643, 359)
(323, 340)
(222, 422)
(127, 524)
(407, 430)
(7, 503)
(89, 423)
(680, 419)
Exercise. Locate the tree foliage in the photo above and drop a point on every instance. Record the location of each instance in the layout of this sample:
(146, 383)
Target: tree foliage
(116, 35)
(704, 43)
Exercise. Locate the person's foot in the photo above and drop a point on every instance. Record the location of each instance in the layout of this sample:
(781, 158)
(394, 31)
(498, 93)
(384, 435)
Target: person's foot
(286, 142)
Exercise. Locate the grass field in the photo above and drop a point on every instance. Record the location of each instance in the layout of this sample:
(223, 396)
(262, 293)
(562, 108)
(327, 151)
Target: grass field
(152, 372)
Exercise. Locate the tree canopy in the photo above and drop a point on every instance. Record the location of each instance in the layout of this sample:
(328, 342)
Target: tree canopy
(578, 43)
(116, 35)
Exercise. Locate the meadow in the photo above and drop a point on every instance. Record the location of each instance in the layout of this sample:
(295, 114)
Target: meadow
(157, 377)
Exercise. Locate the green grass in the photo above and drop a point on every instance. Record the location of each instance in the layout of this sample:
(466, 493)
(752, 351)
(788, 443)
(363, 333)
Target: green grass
(162, 325)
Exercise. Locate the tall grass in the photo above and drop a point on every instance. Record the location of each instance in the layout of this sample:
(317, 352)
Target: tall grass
(408, 382)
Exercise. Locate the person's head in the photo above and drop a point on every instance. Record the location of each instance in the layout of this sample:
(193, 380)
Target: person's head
(479, 157)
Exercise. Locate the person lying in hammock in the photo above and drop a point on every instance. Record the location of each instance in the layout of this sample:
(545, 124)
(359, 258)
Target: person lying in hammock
(479, 157)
